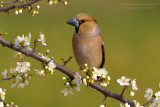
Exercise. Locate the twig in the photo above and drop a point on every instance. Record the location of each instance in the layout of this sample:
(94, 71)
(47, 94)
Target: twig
(104, 101)
(24, 58)
(148, 102)
(18, 5)
(66, 71)
(123, 90)
(65, 62)
(35, 45)
(13, 76)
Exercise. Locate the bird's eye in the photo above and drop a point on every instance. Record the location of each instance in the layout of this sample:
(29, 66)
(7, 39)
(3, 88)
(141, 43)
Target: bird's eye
(82, 21)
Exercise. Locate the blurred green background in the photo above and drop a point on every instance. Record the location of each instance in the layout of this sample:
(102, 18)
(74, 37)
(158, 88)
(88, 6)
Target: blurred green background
(131, 35)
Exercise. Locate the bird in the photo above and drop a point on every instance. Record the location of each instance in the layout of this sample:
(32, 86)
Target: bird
(87, 42)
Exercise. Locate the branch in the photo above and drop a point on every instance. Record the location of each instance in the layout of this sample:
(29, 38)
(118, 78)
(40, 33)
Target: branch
(66, 71)
(148, 102)
(10, 2)
(65, 62)
(18, 5)
(123, 90)
(104, 101)
(13, 76)
(35, 45)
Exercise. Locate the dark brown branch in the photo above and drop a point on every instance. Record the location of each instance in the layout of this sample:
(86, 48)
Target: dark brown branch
(148, 102)
(18, 5)
(10, 2)
(65, 62)
(13, 76)
(35, 45)
(104, 101)
(123, 90)
(66, 71)
(24, 58)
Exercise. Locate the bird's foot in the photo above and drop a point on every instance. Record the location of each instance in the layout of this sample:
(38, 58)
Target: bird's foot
(78, 70)
(88, 83)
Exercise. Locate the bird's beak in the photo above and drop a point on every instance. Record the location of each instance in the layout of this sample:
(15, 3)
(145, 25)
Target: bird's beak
(73, 22)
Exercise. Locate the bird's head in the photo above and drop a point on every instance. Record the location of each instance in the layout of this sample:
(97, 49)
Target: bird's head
(83, 22)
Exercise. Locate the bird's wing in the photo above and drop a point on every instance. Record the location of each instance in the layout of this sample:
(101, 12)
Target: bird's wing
(103, 56)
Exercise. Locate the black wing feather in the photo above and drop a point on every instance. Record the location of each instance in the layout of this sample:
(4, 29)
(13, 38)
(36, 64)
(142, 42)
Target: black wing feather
(103, 56)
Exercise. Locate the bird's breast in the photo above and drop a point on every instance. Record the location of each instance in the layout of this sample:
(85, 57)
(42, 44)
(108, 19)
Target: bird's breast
(87, 50)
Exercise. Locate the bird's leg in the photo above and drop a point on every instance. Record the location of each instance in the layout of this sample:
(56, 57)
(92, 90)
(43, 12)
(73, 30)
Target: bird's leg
(78, 70)
(88, 84)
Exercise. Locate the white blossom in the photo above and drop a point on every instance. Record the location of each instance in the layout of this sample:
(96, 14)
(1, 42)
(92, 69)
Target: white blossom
(19, 54)
(156, 103)
(51, 66)
(41, 72)
(25, 75)
(77, 80)
(87, 77)
(38, 6)
(12, 70)
(27, 40)
(2, 94)
(134, 84)
(121, 105)
(19, 40)
(131, 93)
(19, 82)
(29, 48)
(102, 106)
(65, 2)
(67, 83)
(47, 51)
(12, 103)
(18, 79)
(109, 78)
(24, 40)
(16, 41)
(99, 73)
(45, 58)
(5, 73)
(157, 94)
(55, 1)
(26, 82)
(23, 67)
(42, 39)
(19, 10)
(149, 93)
(51, 2)
(16, 12)
(127, 105)
(21, 85)
(1, 104)
(84, 81)
(67, 91)
(63, 78)
(123, 81)
(104, 84)
(137, 104)
(13, 85)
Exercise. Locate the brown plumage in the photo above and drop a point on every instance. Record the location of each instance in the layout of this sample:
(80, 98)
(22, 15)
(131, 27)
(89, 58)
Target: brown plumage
(87, 41)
